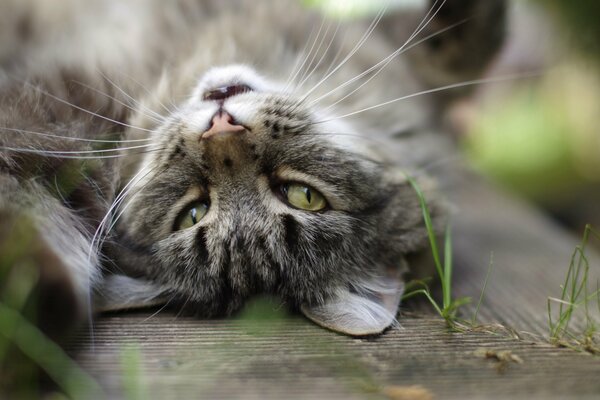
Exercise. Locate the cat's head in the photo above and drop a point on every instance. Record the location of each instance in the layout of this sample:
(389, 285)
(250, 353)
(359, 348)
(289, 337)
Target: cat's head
(249, 188)
(252, 193)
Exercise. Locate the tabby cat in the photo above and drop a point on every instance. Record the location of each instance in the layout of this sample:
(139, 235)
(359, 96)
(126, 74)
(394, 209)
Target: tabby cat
(197, 153)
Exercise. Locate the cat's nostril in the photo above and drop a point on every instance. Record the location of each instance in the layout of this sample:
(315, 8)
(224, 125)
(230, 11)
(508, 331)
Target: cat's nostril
(224, 92)
(222, 123)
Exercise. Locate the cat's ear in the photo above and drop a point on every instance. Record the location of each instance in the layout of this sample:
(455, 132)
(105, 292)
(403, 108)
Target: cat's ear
(120, 292)
(459, 41)
(365, 308)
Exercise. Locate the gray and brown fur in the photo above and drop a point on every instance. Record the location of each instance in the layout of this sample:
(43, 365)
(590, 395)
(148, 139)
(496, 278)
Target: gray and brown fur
(64, 61)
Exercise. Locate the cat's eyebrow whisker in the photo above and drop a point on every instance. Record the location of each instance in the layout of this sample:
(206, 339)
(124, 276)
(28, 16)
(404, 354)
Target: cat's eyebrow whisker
(438, 89)
(323, 55)
(338, 53)
(301, 55)
(76, 139)
(384, 62)
(156, 118)
(83, 109)
(314, 54)
(358, 45)
(381, 69)
(293, 78)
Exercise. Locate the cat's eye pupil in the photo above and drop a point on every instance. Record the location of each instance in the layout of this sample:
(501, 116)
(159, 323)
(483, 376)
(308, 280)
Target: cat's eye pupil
(193, 214)
(224, 92)
(303, 197)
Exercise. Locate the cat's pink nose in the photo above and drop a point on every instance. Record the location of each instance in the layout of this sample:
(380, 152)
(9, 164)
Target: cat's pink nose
(222, 124)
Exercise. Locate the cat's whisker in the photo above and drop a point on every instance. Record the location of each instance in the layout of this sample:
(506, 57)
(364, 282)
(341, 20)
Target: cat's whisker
(162, 308)
(323, 55)
(160, 119)
(381, 67)
(75, 139)
(97, 239)
(384, 62)
(314, 53)
(145, 89)
(358, 45)
(118, 149)
(84, 109)
(122, 210)
(338, 53)
(356, 135)
(182, 308)
(436, 90)
(301, 55)
(74, 155)
(146, 111)
(293, 78)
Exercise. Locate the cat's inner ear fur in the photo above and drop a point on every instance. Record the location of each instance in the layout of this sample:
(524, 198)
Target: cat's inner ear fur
(367, 307)
(465, 36)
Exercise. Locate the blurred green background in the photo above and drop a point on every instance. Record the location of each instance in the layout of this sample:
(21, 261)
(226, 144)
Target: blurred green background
(538, 137)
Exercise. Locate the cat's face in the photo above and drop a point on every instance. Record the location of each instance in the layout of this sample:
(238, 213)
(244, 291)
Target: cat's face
(250, 192)
(249, 188)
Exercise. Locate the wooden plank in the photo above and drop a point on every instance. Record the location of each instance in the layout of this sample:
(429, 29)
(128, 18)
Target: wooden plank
(293, 359)
(531, 253)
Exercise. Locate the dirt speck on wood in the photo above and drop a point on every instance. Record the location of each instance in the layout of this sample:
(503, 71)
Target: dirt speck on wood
(503, 358)
(414, 392)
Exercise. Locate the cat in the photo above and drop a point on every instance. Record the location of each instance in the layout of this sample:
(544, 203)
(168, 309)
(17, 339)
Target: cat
(198, 153)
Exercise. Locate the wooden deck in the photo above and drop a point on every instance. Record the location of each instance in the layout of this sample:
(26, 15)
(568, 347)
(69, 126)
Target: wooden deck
(182, 357)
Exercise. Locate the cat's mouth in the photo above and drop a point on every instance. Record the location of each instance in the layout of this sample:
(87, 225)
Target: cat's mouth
(222, 93)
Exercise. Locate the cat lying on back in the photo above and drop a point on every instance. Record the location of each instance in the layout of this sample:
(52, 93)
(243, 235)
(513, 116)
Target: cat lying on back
(202, 152)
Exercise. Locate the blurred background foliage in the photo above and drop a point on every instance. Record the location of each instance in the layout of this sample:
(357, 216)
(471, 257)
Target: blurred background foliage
(540, 136)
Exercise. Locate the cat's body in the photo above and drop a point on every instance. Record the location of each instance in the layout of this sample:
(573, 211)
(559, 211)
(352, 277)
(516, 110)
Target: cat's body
(215, 106)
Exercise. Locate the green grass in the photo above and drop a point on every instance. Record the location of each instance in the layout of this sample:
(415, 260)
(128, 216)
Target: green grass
(70, 379)
(576, 295)
(443, 265)
(131, 361)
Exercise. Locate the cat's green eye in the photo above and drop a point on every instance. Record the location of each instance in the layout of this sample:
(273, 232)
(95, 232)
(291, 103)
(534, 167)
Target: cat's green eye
(191, 215)
(303, 197)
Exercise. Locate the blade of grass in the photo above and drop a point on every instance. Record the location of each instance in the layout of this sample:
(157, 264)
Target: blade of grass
(485, 282)
(429, 226)
(75, 382)
(130, 365)
(447, 281)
